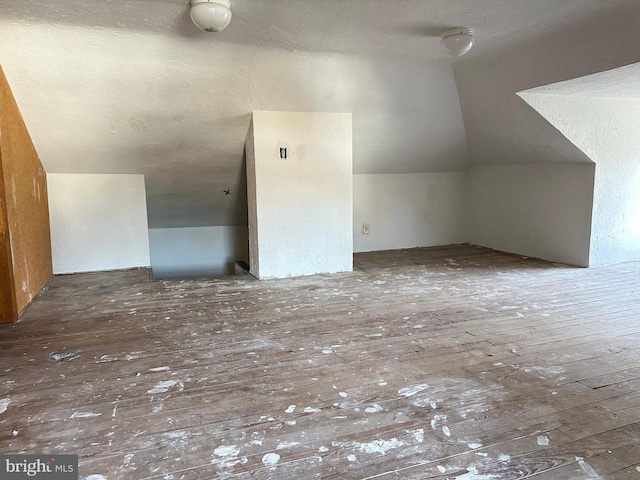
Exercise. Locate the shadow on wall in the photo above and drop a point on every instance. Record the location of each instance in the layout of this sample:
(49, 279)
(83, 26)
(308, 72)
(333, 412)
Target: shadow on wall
(197, 252)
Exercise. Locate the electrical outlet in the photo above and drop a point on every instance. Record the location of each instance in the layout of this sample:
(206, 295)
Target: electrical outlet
(365, 229)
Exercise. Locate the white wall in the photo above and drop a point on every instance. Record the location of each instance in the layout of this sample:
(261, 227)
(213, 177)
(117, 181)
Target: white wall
(98, 222)
(409, 210)
(197, 252)
(302, 223)
(606, 129)
(538, 210)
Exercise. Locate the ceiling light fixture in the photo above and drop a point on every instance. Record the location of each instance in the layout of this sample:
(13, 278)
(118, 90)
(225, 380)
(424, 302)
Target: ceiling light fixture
(457, 41)
(211, 15)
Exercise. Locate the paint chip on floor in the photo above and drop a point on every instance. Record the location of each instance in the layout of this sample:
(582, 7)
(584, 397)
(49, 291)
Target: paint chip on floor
(543, 441)
(290, 409)
(271, 459)
(4, 404)
(411, 391)
(162, 387)
(375, 408)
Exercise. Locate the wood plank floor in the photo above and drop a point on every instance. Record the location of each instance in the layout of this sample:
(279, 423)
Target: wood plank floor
(443, 363)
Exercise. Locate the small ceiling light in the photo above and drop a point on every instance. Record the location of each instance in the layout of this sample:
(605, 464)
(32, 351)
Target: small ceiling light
(211, 15)
(457, 41)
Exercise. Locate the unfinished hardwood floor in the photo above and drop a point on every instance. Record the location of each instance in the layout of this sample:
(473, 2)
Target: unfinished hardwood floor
(444, 363)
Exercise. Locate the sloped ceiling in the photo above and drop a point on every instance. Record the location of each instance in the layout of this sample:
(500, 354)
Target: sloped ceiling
(107, 86)
(500, 126)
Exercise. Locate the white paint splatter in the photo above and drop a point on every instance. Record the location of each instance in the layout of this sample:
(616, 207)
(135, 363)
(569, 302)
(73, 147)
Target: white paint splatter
(127, 459)
(84, 415)
(163, 387)
(441, 469)
(343, 394)
(290, 409)
(482, 454)
(352, 458)
(411, 391)
(4, 404)
(327, 351)
(228, 456)
(375, 408)
(446, 431)
(382, 383)
(638, 468)
(283, 445)
(311, 410)
(290, 422)
(504, 458)
(379, 446)
(588, 469)
(474, 445)
(323, 449)
(15, 433)
(543, 441)
(95, 476)
(472, 474)
(227, 451)
(437, 419)
(418, 326)
(159, 369)
(546, 372)
(418, 434)
(271, 459)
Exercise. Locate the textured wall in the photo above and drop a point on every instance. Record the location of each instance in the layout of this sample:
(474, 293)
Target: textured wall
(98, 222)
(539, 210)
(304, 203)
(180, 112)
(404, 211)
(197, 252)
(606, 129)
(27, 214)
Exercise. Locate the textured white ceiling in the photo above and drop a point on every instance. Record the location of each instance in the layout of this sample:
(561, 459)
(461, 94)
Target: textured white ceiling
(133, 87)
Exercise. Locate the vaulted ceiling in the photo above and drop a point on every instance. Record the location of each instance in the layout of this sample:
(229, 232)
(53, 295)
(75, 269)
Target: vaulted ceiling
(109, 86)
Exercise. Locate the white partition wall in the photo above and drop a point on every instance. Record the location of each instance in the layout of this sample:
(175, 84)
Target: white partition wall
(541, 210)
(98, 222)
(393, 211)
(301, 199)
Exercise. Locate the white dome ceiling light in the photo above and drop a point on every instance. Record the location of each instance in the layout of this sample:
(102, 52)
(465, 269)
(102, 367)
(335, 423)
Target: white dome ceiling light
(457, 41)
(211, 15)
